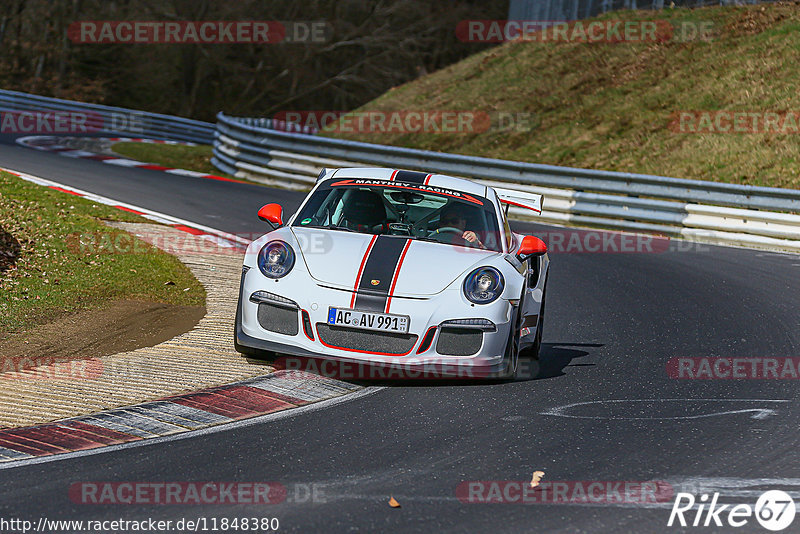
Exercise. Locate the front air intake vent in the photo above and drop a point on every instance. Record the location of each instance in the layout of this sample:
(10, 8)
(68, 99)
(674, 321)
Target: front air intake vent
(278, 318)
(340, 337)
(455, 341)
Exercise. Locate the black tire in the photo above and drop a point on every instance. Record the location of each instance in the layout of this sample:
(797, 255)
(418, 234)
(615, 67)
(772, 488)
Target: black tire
(537, 344)
(529, 365)
(255, 354)
(248, 351)
(511, 356)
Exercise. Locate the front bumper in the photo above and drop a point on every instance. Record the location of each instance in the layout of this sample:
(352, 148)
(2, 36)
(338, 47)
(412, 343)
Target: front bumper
(313, 300)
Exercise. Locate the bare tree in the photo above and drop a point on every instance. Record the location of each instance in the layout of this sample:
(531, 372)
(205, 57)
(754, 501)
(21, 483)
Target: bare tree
(374, 46)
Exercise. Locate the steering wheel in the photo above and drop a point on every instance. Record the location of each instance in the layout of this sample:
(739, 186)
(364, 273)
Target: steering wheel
(449, 229)
(454, 235)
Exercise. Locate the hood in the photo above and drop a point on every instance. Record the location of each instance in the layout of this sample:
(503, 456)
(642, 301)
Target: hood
(338, 259)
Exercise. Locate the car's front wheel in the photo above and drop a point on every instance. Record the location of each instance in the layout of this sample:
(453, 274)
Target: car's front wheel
(250, 352)
(529, 365)
(511, 357)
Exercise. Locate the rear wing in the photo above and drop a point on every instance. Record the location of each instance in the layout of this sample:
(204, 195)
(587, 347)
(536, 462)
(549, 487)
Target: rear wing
(520, 199)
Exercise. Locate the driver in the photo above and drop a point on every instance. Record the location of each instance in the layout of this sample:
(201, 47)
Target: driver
(453, 217)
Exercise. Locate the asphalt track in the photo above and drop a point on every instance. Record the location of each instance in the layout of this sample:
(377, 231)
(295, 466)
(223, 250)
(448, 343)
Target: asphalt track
(613, 322)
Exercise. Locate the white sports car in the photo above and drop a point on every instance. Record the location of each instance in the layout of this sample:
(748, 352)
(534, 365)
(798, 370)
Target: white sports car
(397, 268)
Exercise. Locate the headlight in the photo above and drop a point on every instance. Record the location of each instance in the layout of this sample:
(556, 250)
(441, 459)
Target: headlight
(276, 259)
(484, 285)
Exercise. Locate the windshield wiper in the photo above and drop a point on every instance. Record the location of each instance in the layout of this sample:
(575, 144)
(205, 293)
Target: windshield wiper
(337, 227)
(428, 239)
(328, 227)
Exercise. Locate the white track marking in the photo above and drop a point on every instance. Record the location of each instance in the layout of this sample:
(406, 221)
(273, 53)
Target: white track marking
(147, 213)
(758, 413)
(136, 421)
(307, 390)
(184, 412)
(10, 453)
(76, 153)
(122, 162)
(104, 422)
(184, 172)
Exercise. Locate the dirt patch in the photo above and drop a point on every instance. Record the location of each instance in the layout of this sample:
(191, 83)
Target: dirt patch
(755, 20)
(120, 327)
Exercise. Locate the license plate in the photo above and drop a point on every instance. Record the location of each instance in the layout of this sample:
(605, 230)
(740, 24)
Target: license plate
(382, 322)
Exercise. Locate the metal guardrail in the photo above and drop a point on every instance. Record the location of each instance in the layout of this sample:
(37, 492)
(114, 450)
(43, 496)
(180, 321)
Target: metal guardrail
(706, 211)
(100, 119)
(280, 153)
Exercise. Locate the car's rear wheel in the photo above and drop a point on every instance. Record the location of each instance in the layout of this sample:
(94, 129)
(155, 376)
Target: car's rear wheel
(536, 349)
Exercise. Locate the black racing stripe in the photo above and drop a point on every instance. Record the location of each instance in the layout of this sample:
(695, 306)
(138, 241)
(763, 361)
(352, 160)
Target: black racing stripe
(368, 301)
(411, 176)
(380, 267)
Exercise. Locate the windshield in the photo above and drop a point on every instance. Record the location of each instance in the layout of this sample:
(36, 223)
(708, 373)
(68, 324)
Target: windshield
(395, 208)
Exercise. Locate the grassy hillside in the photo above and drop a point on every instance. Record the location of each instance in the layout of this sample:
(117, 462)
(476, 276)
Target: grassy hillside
(609, 105)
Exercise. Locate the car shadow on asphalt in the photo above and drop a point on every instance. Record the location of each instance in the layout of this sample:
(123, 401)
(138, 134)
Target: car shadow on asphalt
(554, 358)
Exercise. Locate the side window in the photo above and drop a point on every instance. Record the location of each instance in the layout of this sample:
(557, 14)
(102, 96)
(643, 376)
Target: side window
(330, 206)
(336, 208)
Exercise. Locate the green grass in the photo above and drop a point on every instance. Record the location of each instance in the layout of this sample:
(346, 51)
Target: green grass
(608, 106)
(53, 274)
(192, 158)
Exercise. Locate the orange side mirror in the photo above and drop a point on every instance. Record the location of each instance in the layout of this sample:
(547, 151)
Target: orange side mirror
(271, 213)
(531, 246)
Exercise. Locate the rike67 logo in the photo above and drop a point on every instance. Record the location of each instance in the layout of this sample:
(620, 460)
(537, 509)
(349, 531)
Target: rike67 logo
(774, 510)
